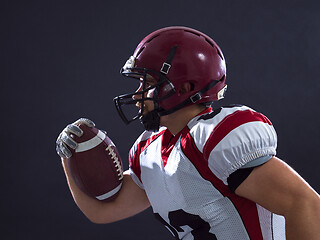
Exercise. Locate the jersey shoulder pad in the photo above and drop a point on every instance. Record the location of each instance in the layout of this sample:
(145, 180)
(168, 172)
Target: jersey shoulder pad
(234, 136)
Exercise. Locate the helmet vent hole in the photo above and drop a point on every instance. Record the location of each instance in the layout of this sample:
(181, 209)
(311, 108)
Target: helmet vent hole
(152, 38)
(208, 41)
(140, 51)
(192, 33)
(219, 53)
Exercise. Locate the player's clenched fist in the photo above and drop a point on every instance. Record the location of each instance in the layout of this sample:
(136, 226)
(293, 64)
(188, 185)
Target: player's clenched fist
(65, 141)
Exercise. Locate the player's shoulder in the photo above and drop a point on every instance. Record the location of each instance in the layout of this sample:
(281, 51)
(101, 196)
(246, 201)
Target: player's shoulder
(226, 111)
(232, 113)
(145, 139)
(149, 135)
(223, 120)
(238, 135)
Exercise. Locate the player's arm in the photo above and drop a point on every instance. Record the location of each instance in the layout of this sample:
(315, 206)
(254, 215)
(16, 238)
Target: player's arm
(278, 188)
(130, 201)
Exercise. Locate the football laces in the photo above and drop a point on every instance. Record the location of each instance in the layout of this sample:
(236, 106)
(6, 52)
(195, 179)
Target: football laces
(116, 161)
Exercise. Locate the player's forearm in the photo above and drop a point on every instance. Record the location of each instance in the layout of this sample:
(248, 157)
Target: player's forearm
(303, 220)
(89, 206)
(130, 201)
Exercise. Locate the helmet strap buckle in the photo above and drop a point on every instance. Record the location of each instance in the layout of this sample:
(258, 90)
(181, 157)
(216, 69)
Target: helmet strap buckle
(167, 64)
(165, 68)
(196, 97)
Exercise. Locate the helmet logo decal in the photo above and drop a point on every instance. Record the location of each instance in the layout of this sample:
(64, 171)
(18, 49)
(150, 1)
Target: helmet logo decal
(222, 92)
(129, 64)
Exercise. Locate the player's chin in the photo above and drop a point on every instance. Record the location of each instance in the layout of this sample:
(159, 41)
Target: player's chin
(146, 110)
(143, 114)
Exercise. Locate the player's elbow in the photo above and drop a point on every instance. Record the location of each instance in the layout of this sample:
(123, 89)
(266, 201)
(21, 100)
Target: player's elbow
(307, 204)
(104, 215)
(98, 215)
(97, 219)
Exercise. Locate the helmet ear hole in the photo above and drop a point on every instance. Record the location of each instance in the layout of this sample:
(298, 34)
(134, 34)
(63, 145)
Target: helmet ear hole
(191, 86)
(186, 87)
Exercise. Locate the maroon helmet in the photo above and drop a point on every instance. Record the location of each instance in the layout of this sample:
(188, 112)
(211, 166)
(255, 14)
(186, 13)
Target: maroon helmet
(173, 56)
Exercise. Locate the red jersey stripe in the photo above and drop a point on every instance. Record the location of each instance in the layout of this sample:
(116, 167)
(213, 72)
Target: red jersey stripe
(230, 123)
(134, 161)
(246, 208)
(169, 140)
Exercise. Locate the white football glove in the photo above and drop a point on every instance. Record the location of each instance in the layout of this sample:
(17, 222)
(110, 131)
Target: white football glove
(64, 141)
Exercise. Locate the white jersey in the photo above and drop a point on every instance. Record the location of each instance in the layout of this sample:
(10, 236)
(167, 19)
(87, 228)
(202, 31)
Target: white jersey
(186, 176)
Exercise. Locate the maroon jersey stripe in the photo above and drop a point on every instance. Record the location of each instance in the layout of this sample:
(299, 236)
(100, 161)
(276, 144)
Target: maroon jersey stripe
(134, 161)
(246, 208)
(230, 123)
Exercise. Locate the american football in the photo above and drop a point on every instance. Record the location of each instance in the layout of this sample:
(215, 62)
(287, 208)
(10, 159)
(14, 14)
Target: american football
(95, 164)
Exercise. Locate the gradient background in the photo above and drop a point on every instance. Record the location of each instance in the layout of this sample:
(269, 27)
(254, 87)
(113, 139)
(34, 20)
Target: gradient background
(60, 61)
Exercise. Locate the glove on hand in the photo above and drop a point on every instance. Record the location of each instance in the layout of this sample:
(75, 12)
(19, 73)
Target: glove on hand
(64, 140)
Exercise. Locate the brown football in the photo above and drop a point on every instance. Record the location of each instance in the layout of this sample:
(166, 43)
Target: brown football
(95, 164)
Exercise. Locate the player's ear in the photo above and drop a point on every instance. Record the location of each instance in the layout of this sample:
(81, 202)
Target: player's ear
(186, 87)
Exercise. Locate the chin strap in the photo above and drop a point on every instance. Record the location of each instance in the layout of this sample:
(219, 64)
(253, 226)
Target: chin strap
(167, 64)
(193, 99)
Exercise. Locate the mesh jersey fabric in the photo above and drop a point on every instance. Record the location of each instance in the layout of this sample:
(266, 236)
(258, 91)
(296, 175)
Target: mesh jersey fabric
(185, 176)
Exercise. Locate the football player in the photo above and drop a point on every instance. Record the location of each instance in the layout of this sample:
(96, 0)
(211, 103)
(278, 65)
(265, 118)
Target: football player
(207, 174)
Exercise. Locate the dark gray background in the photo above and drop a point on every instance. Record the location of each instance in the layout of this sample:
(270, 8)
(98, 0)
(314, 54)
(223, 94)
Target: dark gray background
(60, 60)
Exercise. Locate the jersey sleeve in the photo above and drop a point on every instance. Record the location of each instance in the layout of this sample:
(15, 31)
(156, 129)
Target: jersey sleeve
(135, 178)
(238, 139)
(134, 155)
(134, 163)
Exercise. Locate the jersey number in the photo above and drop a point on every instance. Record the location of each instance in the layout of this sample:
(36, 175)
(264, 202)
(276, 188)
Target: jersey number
(181, 218)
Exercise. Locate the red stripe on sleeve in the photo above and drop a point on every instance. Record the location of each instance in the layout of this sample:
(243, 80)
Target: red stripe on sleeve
(230, 123)
(246, 208)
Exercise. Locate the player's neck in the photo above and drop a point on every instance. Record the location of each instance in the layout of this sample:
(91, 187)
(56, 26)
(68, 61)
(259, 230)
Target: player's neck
(176, 121)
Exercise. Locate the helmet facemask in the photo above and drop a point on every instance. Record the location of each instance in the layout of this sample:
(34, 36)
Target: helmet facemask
(137, 99)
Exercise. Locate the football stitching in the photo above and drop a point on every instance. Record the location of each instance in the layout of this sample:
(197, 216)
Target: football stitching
(116, 161)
